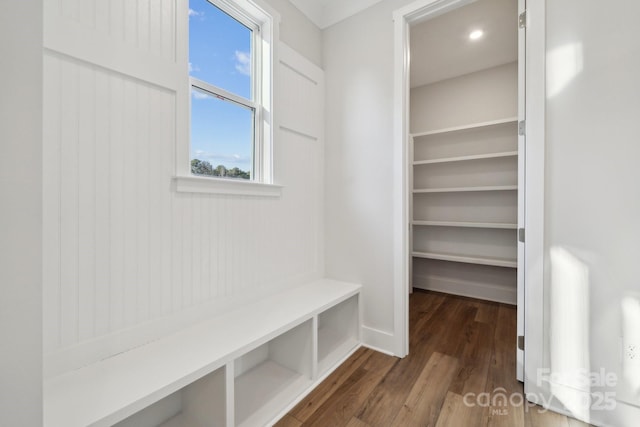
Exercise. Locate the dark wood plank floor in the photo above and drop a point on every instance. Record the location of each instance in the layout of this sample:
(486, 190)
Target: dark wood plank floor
(459, 348)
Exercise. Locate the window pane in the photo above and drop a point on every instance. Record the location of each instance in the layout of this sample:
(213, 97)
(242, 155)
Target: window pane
(221, 137)
(220, 49)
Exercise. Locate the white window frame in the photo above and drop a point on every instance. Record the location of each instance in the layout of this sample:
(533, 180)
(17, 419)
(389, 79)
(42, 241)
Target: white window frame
(264, 23)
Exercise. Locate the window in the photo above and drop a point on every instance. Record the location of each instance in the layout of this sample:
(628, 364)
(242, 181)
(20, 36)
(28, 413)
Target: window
(229, 60)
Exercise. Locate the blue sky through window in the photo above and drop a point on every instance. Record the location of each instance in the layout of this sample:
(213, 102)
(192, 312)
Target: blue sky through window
(220, 54)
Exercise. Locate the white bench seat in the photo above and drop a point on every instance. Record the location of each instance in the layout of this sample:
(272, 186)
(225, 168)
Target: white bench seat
(107, 392)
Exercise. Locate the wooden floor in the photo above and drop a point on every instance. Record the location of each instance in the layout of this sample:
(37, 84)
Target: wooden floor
(459, 348)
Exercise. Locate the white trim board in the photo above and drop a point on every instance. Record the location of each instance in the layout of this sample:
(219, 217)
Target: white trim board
(534, 179)
(534, 185)
(414, 12)
(376, 339)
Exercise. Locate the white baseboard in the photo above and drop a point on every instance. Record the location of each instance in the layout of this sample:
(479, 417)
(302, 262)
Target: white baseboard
(506, 295)
(378, 340)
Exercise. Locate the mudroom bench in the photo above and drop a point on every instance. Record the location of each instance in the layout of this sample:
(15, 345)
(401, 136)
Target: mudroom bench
(243, 368)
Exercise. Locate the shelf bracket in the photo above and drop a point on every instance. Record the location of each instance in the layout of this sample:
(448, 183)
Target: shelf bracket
(521, 235)
(521, 127)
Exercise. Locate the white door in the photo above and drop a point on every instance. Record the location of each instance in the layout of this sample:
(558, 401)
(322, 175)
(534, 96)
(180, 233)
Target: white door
(521, 188)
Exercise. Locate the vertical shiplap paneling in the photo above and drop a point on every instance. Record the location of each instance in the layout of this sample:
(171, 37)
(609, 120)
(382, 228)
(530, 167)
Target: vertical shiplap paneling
(52, 99)
(116, 202)
(299, 227)
(166, 146)
(148, 25)
(186, 221)
(205, 242)
(124, 248)
(87, 13)
(155, 179)
(130, 22)
(69, 222)
(102, 171)
(86, 200)
(102, 15)
(176, 250)
(130, 214)
(143, 25)
(116, 19)
(215, 237)
(70, 9)
(155, 28)
(196, 246)
(234, 244)
(168, 29)
(247, 254)
(243, 255)
(226, 250)
(142, 186)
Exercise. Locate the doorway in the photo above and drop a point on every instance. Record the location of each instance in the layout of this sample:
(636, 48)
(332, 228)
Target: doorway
(464, 159)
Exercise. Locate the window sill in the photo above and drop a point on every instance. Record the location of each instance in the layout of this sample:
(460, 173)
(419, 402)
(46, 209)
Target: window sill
(195, 184)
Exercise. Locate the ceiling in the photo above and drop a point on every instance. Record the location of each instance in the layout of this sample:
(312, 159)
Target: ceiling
(441, 48)
(325, 13)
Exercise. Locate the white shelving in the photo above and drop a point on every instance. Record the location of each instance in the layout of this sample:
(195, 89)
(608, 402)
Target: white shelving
(204, 402)
(275, 372)
(498, 262)
(500, 225)
(241, 368)
(466, 158)
(466, 189)
(337, 333)
(465, 209)
(472, 126)
(260, 393)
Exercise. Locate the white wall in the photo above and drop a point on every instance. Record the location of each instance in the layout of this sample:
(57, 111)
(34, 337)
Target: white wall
(21, 214)
(478, 97)
(127, 258)
(592, 194)
(358, 56)
(297, 31)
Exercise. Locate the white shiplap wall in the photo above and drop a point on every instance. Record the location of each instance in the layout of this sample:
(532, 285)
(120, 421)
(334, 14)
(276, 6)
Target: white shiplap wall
(127, 258)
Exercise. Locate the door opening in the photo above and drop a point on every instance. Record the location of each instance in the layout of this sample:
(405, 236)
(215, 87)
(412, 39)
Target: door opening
(464, 158)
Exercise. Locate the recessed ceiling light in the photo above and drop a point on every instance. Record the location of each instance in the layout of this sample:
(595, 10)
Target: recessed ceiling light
(476, 34)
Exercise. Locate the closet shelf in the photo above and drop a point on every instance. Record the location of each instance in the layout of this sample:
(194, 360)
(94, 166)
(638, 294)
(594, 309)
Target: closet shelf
(466, 127)
(466, 189)
(484, 260)
(499, 225)
(466, 158)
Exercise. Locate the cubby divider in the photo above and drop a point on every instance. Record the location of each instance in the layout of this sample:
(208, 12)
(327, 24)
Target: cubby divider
(338, 332)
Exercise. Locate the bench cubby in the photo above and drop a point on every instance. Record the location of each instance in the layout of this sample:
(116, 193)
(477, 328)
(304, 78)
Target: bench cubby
(242, 368)
(338, 331)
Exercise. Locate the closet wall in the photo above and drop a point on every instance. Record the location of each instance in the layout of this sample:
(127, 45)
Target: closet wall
(465, 176)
